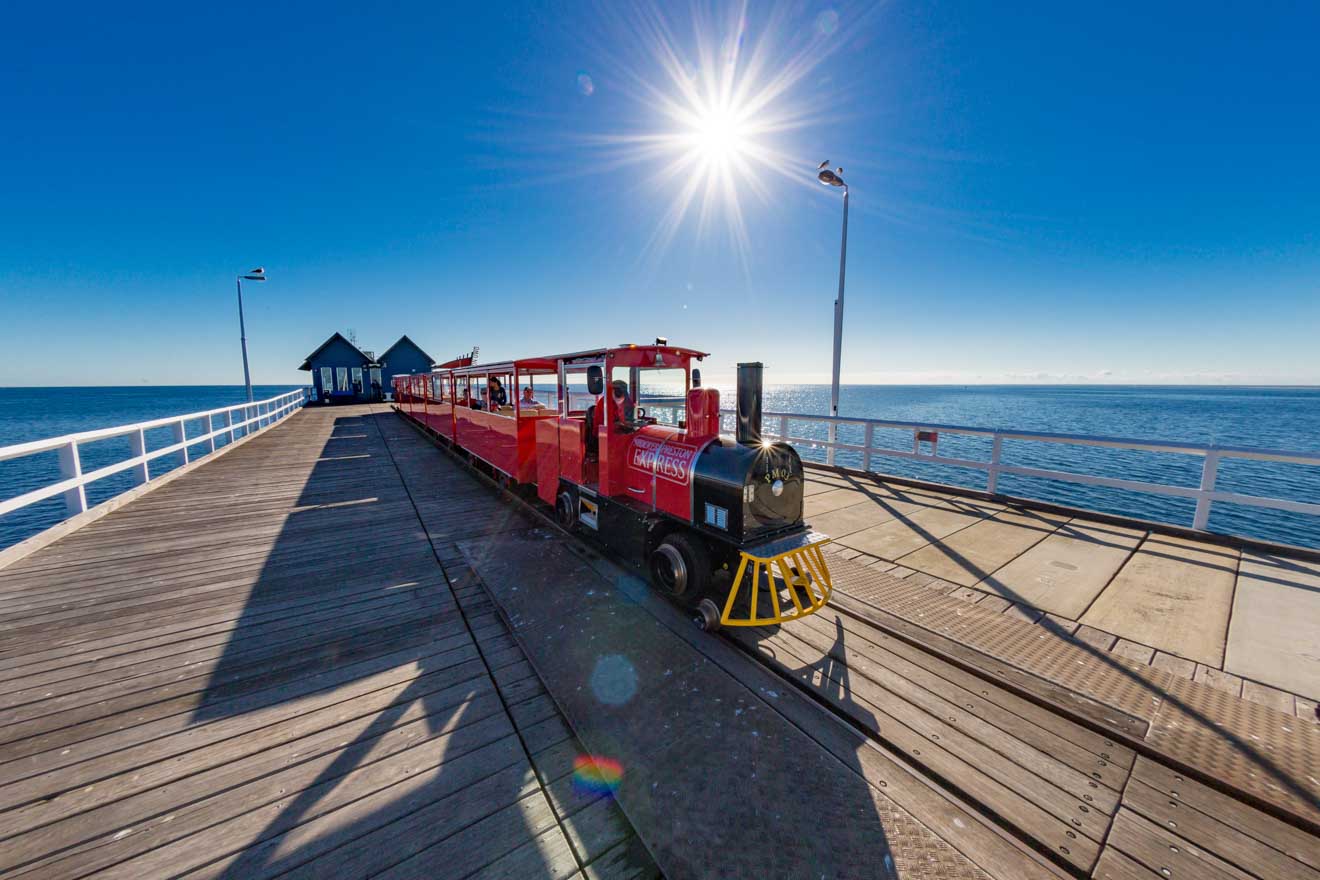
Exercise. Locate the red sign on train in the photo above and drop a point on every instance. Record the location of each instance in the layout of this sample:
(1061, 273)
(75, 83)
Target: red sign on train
(669, 461)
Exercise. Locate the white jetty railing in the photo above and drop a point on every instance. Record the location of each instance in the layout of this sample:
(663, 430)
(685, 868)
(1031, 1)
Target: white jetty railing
(776, 426)
(235, 421)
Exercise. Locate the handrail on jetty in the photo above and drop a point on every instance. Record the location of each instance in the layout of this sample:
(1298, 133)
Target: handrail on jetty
(1205, 494)
(252, 417)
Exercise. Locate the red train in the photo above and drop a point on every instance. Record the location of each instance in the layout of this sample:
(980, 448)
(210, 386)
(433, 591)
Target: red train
(716, 520)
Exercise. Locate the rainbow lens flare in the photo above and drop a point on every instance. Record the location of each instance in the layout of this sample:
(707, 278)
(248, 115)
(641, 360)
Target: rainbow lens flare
(593, 774)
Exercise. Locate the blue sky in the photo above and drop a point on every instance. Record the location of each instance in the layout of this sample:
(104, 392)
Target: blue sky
(1041, 192)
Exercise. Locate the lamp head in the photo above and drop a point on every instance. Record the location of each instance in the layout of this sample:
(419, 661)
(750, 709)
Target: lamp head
(831, 178)
(257, 274)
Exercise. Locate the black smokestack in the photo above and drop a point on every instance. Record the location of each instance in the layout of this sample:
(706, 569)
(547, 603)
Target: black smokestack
(749, 404)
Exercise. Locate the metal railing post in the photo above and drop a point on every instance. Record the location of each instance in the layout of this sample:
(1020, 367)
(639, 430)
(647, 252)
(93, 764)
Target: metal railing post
(996, 453)
(210, 434)
(75, 499)
(783, 429)
(834, 438)
(181, 436)
(138, 441)
(229, 424)
(1209, 473)
(870, 437)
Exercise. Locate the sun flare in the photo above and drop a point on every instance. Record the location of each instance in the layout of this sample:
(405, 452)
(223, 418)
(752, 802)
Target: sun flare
(721, 108)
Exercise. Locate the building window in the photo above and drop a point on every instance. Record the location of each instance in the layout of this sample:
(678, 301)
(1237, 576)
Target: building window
(341, 374)
(375, 378)
(357, 380)
(327, 380)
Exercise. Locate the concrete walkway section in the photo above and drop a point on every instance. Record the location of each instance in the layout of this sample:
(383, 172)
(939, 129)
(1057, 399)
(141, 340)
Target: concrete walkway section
(1243, 622)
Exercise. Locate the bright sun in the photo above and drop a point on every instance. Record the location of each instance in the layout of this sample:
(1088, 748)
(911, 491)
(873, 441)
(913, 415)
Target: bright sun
(717, 136)
(721, 107)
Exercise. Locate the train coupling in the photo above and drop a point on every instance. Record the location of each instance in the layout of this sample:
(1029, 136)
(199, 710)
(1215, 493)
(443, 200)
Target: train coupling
(786, 576)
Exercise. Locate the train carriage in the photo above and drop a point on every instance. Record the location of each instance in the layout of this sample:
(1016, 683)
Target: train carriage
(716, 520)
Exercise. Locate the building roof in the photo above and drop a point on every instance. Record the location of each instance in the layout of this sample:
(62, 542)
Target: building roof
(400, 341)
(307, 363)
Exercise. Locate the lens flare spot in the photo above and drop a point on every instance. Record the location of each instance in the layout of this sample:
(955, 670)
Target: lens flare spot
(585, 85)
(614, 680)
(595, 774)
(827, 23)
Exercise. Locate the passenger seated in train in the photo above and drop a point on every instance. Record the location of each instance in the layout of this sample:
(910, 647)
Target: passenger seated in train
(495, 394)
(528, 399)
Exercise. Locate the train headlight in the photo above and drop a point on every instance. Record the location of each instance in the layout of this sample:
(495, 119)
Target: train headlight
(777, 488)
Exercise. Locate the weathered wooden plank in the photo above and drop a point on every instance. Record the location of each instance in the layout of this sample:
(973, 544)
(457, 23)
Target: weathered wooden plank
(1230, 842)
(110, 677)
(1034, 806)
(167, 693)
(1166, 852)
(283, 837)
(1113, 865)
(474, 847)
(976, 714)
(125, 659)
(548, 855)
(40, 774)
(948, 645)
(1285, 838)
(1070, 742)
(71, 643)
(91, 841)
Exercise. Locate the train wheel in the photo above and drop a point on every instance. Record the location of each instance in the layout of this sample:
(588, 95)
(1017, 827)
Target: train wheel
(680, 567)
(706, 616)
(566, 510)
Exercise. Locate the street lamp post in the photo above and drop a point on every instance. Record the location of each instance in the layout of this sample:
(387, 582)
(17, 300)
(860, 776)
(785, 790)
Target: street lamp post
(835, 178)
(257, 274)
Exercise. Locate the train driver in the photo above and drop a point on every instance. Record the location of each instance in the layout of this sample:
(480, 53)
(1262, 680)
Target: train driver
(620, 402)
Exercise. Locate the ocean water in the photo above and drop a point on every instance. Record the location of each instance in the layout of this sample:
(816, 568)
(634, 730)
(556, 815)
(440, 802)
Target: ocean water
(37, 413)
(1286, 418)
(1275, 418)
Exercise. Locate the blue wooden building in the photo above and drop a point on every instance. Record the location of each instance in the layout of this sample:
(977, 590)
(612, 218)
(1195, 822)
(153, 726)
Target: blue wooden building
(402, 358)
(343, 373)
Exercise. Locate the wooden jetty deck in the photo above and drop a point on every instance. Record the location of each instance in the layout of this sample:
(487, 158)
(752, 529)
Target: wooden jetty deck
(336, 652)
(262, 669)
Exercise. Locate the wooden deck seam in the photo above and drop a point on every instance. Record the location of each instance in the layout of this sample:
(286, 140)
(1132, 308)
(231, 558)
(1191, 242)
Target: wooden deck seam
(526, 749)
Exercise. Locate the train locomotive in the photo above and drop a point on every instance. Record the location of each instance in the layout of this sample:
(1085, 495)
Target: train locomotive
(716, 520)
